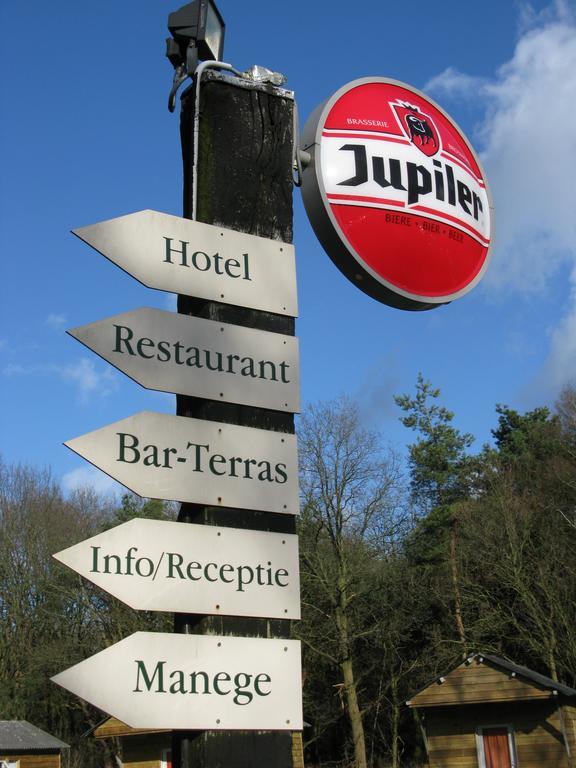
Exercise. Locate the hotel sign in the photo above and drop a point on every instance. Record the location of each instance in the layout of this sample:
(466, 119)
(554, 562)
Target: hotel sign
(202, 260)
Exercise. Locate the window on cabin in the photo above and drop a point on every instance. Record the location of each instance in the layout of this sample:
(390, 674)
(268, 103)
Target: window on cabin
(496, 747)
(9, 763)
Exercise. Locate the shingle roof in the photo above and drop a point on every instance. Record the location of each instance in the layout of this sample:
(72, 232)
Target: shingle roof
(497, 661)
(536, 677)
(19, 736)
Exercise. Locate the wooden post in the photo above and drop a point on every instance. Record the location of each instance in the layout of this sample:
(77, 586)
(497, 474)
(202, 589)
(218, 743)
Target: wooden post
(244, 164)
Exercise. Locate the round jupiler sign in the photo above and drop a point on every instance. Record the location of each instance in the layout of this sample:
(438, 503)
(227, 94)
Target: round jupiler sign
(396, 194)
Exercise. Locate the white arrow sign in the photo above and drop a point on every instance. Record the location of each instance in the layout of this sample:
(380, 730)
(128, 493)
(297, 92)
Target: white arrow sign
(156, 565)
(175, 254)
(192, 356)
(194, 682)
(206, 462)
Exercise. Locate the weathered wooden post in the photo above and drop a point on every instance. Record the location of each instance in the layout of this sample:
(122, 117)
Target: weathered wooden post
(241, 155)
(229, 670)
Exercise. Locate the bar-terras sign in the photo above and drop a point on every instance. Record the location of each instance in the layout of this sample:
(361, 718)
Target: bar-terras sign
(396, 194)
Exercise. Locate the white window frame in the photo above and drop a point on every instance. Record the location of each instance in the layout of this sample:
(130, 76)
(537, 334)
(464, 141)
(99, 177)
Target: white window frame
(511, 743)
(10, 763)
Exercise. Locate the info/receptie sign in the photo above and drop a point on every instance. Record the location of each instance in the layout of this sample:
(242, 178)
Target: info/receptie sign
(194, 682)
(203, 358)
(205, 462)
(158, 565)
(196, 259)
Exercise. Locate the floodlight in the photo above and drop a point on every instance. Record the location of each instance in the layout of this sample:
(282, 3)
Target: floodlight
(197, 31)
(199, 24)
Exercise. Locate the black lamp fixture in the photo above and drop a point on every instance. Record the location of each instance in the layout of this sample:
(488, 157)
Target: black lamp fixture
(197, 31)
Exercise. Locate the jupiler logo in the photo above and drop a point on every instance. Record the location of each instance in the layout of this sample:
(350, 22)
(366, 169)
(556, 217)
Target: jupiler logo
(418, 127)
(444, 186)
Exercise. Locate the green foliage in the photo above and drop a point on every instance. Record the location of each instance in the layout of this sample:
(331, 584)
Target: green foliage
(437, 460)
(441, 472)
(49, 617)
(348, 488)
(426, 544)
(479, 553)
(521, 437)
(135, 506)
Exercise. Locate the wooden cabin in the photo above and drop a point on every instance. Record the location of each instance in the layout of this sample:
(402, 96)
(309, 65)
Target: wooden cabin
(22, 745)
(141, 748)
(490, 713)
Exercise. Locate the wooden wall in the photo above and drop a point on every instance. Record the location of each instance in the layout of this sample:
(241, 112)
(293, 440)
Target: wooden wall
(34, 761)
(297, 750)
(142, 748)
(114, 727)
(569, 715)
(538, 734)
(478, 682)
(144, 751)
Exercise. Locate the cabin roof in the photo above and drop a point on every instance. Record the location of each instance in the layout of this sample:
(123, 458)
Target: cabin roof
(545, 682)
(111, 726)
(483, 677)
(21, 736)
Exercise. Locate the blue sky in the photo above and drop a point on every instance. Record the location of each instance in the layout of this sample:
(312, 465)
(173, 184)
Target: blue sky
(85, 136)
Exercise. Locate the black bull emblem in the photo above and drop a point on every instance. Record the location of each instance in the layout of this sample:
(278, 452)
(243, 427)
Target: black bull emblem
(419, 128)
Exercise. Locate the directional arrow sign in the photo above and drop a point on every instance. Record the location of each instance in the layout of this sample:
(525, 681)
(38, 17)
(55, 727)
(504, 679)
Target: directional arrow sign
(196, 682)
(156, 565)
(203, 260)
(205, 462)
(191, 356)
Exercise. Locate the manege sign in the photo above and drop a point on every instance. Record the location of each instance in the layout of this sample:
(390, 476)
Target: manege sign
(396, 194)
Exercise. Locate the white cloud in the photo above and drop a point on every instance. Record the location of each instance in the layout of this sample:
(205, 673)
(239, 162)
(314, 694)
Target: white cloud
(528, 140)
(530, 18)
(91, 381)
(561, 364)
(375, 396)
(529, 150)
(455, 84)
(13, 369)
(90, 477)
(530, 156)
(171, 302)
(56, 322)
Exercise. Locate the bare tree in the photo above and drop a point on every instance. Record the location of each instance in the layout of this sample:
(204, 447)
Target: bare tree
(349, 503)
(566, 410)
(50, 618)
(519, 572)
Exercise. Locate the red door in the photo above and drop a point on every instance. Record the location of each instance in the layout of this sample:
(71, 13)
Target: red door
(496, 748)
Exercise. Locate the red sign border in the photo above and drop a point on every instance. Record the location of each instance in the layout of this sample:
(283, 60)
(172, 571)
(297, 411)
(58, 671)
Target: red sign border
(333, 239)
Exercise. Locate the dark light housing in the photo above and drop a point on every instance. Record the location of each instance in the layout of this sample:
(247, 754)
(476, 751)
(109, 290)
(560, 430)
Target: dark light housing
(198, 23)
